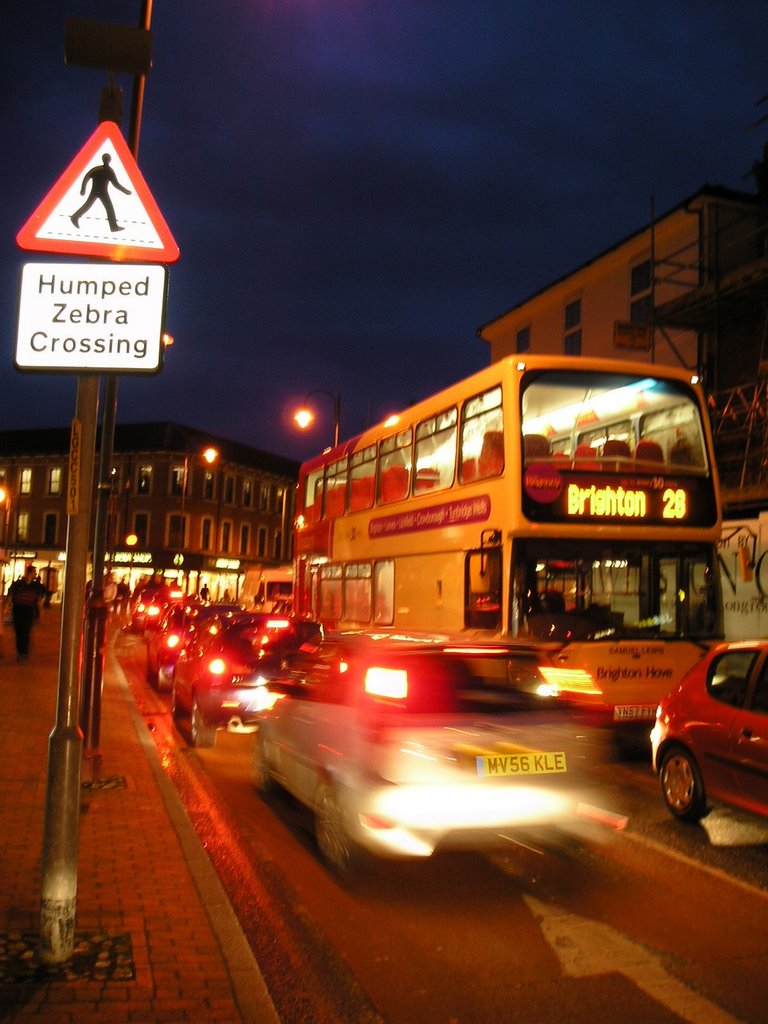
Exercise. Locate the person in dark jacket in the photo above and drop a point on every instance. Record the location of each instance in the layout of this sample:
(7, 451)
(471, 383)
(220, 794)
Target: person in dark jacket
(25, 594)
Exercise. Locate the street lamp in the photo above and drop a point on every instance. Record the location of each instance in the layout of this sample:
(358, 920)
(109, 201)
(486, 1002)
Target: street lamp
(304, 416)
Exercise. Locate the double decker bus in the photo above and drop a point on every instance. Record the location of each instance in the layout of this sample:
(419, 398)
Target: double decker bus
(572, 501)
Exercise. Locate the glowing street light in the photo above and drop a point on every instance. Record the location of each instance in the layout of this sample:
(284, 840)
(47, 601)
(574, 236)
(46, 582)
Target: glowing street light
(304, 416)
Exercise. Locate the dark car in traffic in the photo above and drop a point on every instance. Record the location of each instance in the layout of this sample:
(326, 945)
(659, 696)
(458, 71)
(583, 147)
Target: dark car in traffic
(149, 605)
(710, 740)
(221, 675)
(403, 748)
(175, 630)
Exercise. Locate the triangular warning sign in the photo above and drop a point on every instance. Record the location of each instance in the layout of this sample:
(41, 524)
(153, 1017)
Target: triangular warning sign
(101, 206)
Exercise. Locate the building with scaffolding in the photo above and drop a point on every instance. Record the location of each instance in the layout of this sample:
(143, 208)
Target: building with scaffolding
(689, 288)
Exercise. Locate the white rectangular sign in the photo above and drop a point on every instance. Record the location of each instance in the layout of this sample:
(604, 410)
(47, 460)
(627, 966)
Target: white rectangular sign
(91, 317)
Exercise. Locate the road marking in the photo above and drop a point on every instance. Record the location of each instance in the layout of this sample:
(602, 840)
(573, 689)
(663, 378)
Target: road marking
(586, 948)
(668, 851)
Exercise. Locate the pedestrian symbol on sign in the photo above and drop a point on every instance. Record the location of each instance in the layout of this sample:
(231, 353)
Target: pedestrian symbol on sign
(100, 178)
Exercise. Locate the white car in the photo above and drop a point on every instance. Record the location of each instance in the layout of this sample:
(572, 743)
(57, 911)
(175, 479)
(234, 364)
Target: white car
(401, 748)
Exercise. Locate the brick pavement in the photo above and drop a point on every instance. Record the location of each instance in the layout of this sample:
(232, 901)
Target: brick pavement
(156, 939)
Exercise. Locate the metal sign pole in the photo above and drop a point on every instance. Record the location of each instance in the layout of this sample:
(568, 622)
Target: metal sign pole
(62, 798)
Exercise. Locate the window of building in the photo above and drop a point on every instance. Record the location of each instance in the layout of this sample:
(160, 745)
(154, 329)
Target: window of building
(144, 480)
(572, 322)
(277, 545)
(22, 526)
(523, 339)
(226, 536)
(261, 541)
(247, 492)
(178, 475)
(50, 524)
(206, 534)
(177, 531)
(245, 538)
(54, 480)
(264, 497)
(141, 528)
(25, 481)
(208, 485)
(229, 490)
(641, 293)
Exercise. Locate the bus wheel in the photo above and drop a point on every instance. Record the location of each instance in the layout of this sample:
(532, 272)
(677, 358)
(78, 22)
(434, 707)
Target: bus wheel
(682, 786)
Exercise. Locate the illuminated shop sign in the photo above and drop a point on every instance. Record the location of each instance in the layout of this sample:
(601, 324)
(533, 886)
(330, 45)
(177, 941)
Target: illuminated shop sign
(233, 564)
(132, 558)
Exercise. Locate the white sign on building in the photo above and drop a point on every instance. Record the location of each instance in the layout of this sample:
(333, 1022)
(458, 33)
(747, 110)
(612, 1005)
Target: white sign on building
(92, 317)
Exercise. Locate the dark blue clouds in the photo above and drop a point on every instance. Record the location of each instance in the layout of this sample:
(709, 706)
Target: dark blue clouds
(357, 185)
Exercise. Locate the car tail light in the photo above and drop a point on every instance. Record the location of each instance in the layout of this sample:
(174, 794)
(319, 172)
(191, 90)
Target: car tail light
(172, 640)
(390, 683)
(153, 611)
(176, 595)
(278, 623)
(217, 667)
(273, 628)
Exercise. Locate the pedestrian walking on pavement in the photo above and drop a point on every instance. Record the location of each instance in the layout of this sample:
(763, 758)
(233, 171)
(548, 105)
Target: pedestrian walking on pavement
(25, 594)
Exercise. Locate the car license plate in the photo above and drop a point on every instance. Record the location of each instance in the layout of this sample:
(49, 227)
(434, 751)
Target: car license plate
(634, 712)
(530, 763)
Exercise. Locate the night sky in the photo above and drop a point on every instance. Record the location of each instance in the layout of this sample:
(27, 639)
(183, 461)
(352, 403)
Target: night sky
(357, 185)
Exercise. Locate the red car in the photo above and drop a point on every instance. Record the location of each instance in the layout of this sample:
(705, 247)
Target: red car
(710, 740)
(220, 678)
(174, 631)
(148, 607)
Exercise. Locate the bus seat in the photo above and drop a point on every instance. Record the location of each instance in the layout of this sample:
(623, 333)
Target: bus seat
(426, 480)
(361, 492)
(584, 457)
(681, 453)
(335, 500)
(394, 484)
(491, 461)
(468, 470)
(535, 446)
(649, 451)
(614, 448)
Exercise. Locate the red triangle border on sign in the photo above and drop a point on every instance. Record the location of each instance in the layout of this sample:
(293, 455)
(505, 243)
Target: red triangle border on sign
(27, 238)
